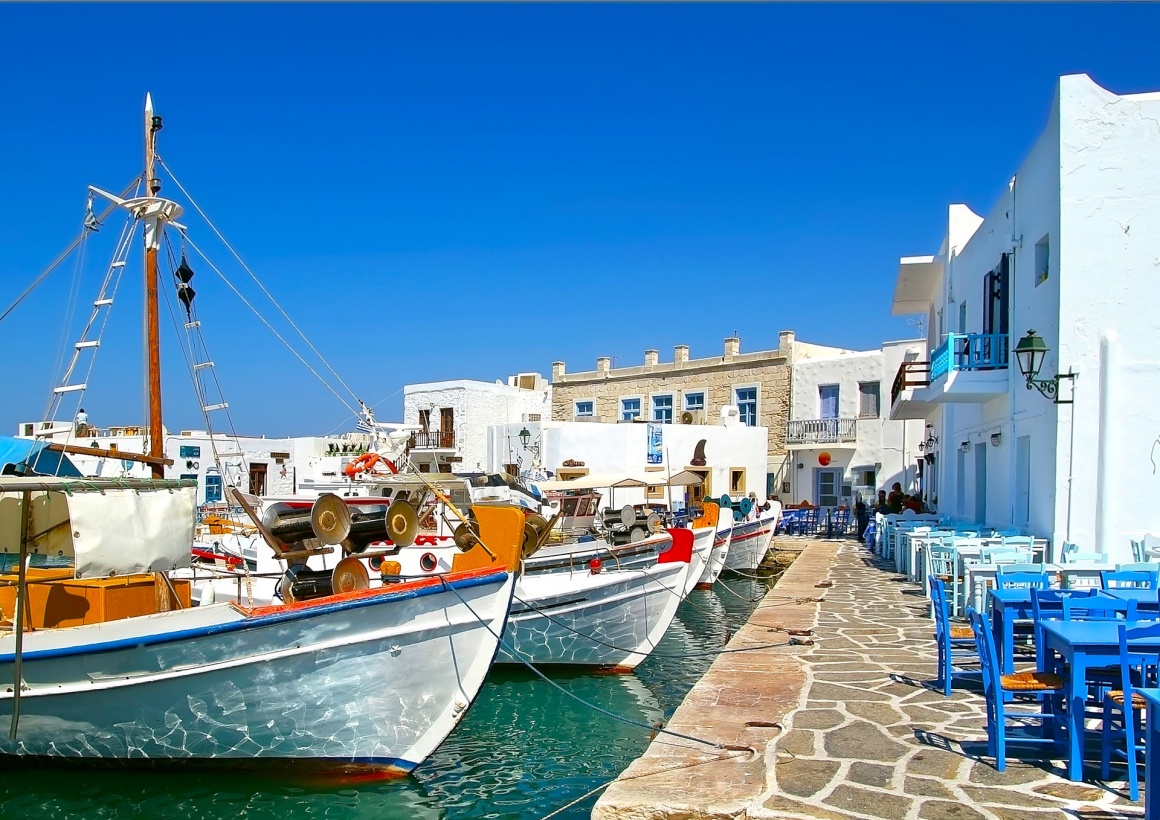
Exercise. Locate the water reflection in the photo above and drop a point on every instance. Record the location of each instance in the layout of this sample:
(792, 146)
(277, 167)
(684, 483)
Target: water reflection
(524, 750)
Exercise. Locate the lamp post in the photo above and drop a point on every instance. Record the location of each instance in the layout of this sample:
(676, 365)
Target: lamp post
(1030, 353)
(525, 437)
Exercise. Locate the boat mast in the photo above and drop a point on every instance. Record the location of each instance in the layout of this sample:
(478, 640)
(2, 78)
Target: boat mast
(153, 228)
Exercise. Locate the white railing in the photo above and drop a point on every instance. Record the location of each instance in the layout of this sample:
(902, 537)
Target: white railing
(821, 431)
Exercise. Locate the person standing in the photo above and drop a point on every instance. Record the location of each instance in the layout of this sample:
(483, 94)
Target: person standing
(896, 498)
(82, 422)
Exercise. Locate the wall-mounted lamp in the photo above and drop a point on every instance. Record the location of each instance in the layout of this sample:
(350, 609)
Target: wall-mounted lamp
(996, 438)
(931, 439)
(800, 465)
(524, 436)
(1030, 353)
(965, 447)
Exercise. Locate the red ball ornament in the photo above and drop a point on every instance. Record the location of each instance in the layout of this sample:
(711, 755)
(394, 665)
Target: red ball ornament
(823, 459)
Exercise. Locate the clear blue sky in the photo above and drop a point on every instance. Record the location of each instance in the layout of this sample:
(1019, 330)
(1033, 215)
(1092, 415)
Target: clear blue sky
(468, 191)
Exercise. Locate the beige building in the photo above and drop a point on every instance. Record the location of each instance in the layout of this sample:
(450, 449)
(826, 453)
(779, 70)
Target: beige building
(753, 387)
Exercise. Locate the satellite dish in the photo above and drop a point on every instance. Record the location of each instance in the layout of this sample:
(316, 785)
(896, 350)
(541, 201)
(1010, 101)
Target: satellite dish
(627, 515)
(330, 519)
(402, 523)
(350, 575)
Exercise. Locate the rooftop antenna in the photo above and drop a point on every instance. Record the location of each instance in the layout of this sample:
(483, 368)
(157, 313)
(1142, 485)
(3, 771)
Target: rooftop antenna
(917, 324)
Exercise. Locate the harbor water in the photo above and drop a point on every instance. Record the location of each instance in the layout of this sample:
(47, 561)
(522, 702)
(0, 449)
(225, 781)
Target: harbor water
(526, 749)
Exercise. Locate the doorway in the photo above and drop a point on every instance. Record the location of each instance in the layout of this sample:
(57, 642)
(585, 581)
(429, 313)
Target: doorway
(258, 478)
(826, 487)
(981, 483)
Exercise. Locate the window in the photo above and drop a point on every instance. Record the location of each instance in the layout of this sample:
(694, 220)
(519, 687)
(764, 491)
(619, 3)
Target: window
(583, 408)
(694, 401)
(629, 409)
(189, 476)
(866, 478)
(662, 407)
(512, 469)
(963, 316)
(1042, 260)
(868, 400)
(655, 491)
(424, 420)
(995, 295)
(189, 451)
(568, 475)
(536, 416)
(737, 480)
(828, 401)
(747, 405)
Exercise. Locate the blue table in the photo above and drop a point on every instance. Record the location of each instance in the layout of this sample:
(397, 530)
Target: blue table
(1085, 645)
(1152, 755)
(1010, 605)
(1146, 599)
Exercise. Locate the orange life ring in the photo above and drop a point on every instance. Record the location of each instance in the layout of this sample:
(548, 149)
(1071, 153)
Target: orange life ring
(365, 463)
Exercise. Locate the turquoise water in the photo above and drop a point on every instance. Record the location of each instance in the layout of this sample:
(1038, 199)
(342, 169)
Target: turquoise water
(523, 751)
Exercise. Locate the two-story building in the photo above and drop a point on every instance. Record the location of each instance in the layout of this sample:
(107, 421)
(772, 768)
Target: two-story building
(1064, 442)
(842, 443)
(754, 387)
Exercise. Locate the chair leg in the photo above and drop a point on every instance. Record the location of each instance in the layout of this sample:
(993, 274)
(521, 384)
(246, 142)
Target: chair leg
(1106, 742)
(1000, 740)
(1131, 718)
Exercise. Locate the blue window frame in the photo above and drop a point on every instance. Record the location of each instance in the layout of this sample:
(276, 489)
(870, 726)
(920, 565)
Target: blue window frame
(694, 401)
(662, 409)
(213, 489)
(747, 404)
(629, 409)
(189, 451)
(828, 401)
(583, 408)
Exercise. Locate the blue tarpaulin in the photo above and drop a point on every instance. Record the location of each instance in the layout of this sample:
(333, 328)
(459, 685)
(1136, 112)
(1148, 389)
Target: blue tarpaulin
(21, 456)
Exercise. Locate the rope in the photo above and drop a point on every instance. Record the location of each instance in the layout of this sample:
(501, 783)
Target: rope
(631, 722)
(262, 287)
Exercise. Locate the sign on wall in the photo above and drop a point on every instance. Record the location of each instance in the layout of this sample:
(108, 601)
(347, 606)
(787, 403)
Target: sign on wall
(655, 443)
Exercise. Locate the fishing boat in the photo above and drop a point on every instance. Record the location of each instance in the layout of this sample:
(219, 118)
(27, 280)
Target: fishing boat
(109, 663)
(750, 536)
(722, 536)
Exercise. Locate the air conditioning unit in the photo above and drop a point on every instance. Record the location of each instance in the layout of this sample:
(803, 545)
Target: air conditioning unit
(693, 417)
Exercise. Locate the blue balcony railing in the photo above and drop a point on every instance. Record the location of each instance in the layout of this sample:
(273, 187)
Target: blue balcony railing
(969, 351)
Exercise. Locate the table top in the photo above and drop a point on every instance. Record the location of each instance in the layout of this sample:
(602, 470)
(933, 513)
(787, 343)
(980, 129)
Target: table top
(1100, 634)
(1150, 695)
(1140, 596)
(1023, 596)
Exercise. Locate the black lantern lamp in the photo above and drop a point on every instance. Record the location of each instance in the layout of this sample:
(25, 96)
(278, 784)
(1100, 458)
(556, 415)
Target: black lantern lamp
(1030, 353)
(524, 436)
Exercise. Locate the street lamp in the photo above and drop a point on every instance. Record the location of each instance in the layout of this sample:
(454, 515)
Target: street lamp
(524, 436)
(1030, 353)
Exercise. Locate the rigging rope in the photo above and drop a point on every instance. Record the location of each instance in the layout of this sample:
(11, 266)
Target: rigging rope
(258, 282)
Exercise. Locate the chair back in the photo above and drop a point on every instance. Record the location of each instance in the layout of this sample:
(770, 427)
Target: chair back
(988, 657)
(1131, 576)
(1018, 542)
(1097, 608)
(1002, 555)
(939, 609)
(1137, 669)
(1022, 576)
(942, 562)
(1047, 604)
(1005, 533)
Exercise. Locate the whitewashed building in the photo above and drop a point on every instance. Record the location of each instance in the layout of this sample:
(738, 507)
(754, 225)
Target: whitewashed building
(451, 418)
(730, 456)
(1071, 250)
(841, 441)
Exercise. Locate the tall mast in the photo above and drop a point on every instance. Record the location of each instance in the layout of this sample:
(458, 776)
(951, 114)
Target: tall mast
(153, 228)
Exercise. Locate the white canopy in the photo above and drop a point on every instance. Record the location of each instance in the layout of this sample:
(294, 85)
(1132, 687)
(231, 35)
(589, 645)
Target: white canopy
(594, 481)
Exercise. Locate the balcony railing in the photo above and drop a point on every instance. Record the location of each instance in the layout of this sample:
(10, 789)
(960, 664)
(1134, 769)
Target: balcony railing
(432, 439)
(910, 374)
(969, 351)
(821, 431)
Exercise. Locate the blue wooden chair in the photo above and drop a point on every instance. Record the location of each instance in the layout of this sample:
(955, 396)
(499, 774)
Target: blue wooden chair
(942, 565)
(1022, 576)
(1136, 670)
(1131, 576)
(955, 643)
(1097, 608)
(996, 688)
(1002, 555)
(1072, 554)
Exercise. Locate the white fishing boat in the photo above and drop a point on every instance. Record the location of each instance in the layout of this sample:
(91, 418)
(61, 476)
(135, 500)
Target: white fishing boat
(722, 537)
(750, 539)
(107, 661)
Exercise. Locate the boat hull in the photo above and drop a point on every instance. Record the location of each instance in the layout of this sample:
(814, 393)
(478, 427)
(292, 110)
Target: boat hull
(704, 539)
(367, 683)
(717, 557)
(610, 619)
(748, 544)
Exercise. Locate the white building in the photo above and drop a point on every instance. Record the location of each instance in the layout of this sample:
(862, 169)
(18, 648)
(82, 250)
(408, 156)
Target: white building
(1070, 250)
(842, 444)
(731, 456)
(451, 418)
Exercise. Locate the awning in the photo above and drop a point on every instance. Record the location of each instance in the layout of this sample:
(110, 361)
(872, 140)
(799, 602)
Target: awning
(594, 481)
(917, 285)
(30, 456)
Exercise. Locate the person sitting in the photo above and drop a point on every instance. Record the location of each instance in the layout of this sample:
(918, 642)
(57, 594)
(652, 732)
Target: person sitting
(896, 499)
(882, 505)
(913, 502)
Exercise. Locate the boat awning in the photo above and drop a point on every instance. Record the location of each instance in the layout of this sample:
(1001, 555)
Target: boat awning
(917, 285)
(594, 481)
(20, 456)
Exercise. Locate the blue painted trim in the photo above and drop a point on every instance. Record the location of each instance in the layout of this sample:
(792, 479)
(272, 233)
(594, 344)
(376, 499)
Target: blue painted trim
(252, 623)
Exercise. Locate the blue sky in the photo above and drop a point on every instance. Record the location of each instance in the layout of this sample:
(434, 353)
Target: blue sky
(467, 191)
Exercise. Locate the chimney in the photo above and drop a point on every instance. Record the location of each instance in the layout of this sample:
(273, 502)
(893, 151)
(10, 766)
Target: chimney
(557, 371)
(680, 355)
(602, 365)
(651, 357)
(785, 343)
(732, 348)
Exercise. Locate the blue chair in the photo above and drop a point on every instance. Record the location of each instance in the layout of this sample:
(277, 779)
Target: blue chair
(942, 565)
(1022, 576)
(1097, 608)
(955, 643)
(1002, 555)
(1074, 555)
(1131, 576)
(996, 688)
(1136, 670)
(1047, 604)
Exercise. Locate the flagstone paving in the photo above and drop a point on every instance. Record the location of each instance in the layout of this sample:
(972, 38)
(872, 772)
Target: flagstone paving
(868, 738)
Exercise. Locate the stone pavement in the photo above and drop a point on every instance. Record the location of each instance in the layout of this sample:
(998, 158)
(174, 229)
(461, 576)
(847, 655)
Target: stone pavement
(866, 738)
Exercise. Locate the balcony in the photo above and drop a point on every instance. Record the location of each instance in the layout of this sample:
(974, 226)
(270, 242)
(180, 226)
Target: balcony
(812, 432)
(433, 440)
(906, 394)
(969, 367)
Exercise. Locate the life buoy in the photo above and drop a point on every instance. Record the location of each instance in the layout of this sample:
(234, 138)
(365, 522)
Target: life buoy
(365, 463)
